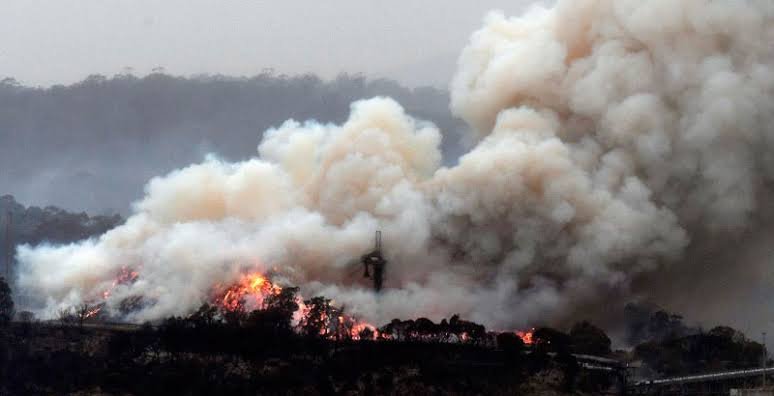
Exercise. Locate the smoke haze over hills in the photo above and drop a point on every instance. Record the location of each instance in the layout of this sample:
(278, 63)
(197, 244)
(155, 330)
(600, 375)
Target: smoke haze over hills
(616, 143)
(93, 145)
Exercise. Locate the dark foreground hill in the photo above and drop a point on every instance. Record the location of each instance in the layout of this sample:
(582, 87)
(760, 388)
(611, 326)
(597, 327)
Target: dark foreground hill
(263, 352)
(58, 359)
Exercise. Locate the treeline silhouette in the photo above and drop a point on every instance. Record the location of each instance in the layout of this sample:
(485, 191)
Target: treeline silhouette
(93, 145)
(670, 348)
(279, 349)
(283, 349)
(34, 225)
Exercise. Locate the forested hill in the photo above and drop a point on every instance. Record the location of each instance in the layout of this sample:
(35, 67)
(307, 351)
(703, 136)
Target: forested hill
(93, 145)
(34, 225)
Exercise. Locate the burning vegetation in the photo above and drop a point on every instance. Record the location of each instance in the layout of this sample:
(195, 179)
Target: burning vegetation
(255, 297)
(94, 309)
(249, 292)
(255, 292)
(125, 276)
(258, 337)
(604, 149)
(318, 317)
(526, 336)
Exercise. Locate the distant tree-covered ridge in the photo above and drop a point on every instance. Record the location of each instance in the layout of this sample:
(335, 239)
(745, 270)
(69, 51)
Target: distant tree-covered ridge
(33, 225)
(93, 145)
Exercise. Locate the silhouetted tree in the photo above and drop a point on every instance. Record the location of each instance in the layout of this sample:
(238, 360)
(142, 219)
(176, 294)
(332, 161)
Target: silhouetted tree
(589, 339)
(205, 316)
(85, 311)
(342, 325)
(552, 340)
(466, 331)
(722, 348)
(366, 334)
(546, 339)
(317, 318)
(425, 329)
(25, 316)
(66, 316)
(235, 317)
(648, 322)
(6, 303)
(510, 343)
(282, 306)
(664, 325)
(444, 331)
(400, 330)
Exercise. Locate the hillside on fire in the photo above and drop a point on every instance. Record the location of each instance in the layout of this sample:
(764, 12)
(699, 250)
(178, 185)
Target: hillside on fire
(290, 346)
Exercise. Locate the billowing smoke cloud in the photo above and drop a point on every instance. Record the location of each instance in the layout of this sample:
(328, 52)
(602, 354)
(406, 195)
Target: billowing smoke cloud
(609, 134)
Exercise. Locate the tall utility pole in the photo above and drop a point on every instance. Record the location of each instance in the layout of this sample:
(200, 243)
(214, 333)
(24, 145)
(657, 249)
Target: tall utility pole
(763, 359)
(376, 262)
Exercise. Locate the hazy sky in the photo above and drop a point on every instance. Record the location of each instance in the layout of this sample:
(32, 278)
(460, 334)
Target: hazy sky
(44, 42)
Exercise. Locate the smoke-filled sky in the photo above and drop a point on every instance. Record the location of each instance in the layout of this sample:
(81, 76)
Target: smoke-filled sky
(45, 42)
(619, 146)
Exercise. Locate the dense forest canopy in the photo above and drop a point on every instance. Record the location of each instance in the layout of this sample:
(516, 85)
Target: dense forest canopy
(93, 145)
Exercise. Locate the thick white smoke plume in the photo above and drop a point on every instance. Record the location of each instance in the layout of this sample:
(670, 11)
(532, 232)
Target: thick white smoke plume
(608, 134)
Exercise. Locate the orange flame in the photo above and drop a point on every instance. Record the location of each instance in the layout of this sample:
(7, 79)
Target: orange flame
(125, 276)
(358, 328)
(526, 336)
(249, 292)
(92, 312)
(252, 289)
